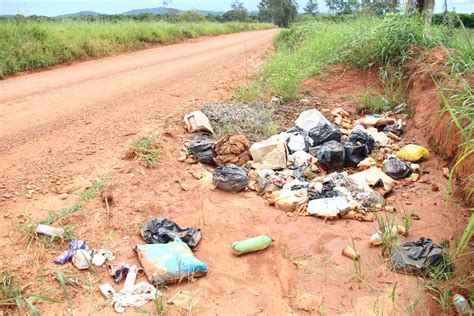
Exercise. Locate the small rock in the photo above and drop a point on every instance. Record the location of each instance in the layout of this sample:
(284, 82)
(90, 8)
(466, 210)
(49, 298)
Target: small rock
(434, 187)
(404, 195)
(446, 172)
(184, 186)
(63, 196)
(308, 302)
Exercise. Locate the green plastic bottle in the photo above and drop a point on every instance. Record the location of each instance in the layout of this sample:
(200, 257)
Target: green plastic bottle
(251, 245)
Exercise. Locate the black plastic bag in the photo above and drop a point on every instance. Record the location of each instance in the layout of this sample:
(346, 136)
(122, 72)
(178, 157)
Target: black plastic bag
(395, 129)
(202, 148)
(354, 153)
(230, 178)
(421, 257)
(324, 133)
(397, 169)
(326, 192)
(161, 230)
(330, 155)
(362, 138)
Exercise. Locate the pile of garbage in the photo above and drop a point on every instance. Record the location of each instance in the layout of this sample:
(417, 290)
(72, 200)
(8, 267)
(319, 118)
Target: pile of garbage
(327, 169)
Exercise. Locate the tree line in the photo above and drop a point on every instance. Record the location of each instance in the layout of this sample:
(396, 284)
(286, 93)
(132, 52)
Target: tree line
(284, 12)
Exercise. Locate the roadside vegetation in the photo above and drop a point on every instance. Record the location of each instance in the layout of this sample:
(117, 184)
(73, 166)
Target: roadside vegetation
(31, 44)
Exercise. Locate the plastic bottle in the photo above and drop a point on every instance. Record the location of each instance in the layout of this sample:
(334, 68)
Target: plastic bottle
(49, 231)
(461, 304)
(251, 245)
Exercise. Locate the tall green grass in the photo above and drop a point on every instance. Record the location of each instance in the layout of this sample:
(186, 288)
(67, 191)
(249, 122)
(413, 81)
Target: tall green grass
(27, 45)
(382, 43)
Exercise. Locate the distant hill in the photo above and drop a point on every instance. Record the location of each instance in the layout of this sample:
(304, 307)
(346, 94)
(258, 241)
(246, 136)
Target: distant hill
(81, 13)
(163, 10)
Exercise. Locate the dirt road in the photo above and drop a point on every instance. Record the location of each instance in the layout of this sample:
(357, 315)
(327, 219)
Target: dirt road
(54, 118)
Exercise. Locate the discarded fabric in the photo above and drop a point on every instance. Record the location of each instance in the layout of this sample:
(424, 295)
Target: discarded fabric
(230, 178)
(287, 200)
(141, 293)
(161, 230)
(421, 257)
(232, 149)
(169, 263)
(251, 245)
(375, 178)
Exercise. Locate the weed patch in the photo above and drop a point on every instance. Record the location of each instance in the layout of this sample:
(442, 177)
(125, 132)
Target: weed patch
(145, 149)
(94, 191)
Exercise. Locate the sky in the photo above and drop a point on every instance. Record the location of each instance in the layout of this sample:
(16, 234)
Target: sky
(58, 7)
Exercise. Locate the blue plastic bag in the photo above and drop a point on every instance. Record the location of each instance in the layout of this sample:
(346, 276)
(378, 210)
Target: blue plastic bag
(169, 263)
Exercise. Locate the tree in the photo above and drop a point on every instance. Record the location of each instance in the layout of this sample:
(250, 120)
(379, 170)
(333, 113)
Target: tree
(343, 6)
(279, 12)
(311, 7)
(237, 12)
(422, 6)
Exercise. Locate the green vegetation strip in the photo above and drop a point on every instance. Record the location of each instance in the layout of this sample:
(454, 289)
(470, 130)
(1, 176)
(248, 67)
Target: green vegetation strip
(28, 45)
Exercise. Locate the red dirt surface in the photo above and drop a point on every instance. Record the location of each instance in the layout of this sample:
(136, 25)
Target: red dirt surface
(62, 128)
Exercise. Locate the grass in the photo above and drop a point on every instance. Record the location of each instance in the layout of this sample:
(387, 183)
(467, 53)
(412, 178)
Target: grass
(145, 149)
(370, 102)
(94, 191)
(28, 45)
(12, 296)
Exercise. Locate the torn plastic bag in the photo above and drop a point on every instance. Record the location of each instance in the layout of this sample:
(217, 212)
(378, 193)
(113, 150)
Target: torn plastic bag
(331, 155)
(359, 136)
(300, 158)
(202, 148)
(140, 294)
(310, 119)
(396, 129)
(397, 169)
(161, 230)
(354, 153)
(288, 201)
(74, 246)
(230, 178)
(324, 133)
(421, 257)
(269, 155)
(232, 149)
(329, 208)
(197, 121)
(375, 178)
(169, 263)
